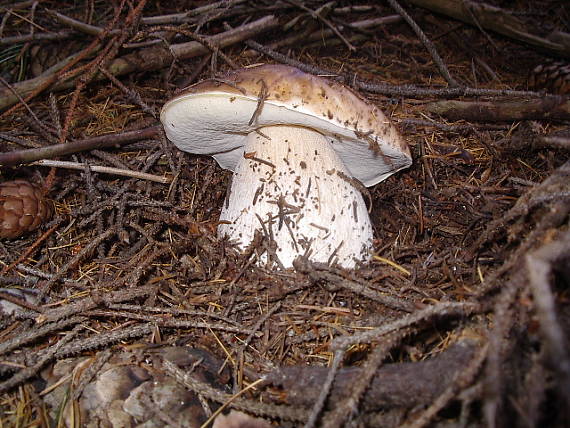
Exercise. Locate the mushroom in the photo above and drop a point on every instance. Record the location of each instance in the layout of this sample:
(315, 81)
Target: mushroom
(300, 147)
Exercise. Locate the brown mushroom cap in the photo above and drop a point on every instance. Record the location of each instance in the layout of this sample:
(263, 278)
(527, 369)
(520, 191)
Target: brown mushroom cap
(214, 116)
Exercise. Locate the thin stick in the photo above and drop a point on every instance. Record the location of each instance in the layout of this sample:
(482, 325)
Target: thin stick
(387, 89)
(227, 403)
(17, 6)
(427, 43)
(99, 142)
(39, 331)
(104, 170)
(31, 249)
(440, 309)
(133, 95)
(20, 302)
(24, 103)
(558, 142)
(86, 250)
(325, 21)
(317, 36)
(107, 54)
(12, 40)
(78, 25)
(326, 389)
(203, 40)
(179, 18)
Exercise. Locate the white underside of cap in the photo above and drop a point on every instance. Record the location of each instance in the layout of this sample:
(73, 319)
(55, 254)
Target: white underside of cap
(294, 190)
(217, 124)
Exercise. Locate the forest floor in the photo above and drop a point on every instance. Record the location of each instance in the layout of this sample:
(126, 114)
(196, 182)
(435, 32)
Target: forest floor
(126, 308)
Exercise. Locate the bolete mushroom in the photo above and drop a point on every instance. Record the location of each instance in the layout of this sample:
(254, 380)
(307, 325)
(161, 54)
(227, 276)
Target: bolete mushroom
(300, 147)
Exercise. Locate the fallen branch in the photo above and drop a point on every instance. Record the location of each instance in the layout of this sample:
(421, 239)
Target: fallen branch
(546, 108)
(393, 385)
(333, 280)
(40, 331)
(148, 59)
(463, 379)
(322, 34)
(281, 412)
(92, 301)
(555, 142)
(48, 356)
(530, 135)
(12, 40)
(109, 140)
(498, 20)
(540, 267)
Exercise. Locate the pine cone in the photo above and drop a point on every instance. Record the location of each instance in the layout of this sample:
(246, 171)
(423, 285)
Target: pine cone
(22, 208)
(553, 77)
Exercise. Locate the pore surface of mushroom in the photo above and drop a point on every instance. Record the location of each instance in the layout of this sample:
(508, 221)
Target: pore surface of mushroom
(300, 147)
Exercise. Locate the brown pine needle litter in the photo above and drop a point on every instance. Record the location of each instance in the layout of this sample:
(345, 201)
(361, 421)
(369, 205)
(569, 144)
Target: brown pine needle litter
(126, 305)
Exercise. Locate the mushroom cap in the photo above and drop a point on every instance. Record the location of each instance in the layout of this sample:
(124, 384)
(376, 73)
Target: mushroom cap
(213, 117)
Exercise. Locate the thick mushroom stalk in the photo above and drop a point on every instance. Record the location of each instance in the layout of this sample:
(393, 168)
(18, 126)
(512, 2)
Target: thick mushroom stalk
(291, 186)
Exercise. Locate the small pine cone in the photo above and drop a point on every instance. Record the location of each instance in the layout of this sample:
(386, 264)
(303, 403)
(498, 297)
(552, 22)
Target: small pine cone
(22, 208)
(553, 77)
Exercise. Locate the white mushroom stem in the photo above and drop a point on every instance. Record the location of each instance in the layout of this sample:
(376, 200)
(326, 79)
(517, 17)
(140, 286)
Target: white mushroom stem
(291, 180)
